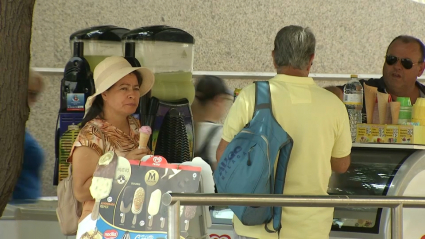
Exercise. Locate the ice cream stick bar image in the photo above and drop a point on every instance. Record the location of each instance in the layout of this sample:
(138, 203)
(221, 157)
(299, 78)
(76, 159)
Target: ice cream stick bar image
(92, 235)
(126, 235)
(189, 214)
(163, 212)
(165, 173)
(126, 200)
(102, 180)
(154, 203)
(138, 199)
(145, 134)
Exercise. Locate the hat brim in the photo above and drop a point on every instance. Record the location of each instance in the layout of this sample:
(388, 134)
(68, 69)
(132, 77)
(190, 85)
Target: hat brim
(148, 80)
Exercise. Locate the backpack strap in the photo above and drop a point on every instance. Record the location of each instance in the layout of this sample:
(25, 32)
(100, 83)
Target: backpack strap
(263, 101)
(70, 170)
(262, 96)
(279, 182)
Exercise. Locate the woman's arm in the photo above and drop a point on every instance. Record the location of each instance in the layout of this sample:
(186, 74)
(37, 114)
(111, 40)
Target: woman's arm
(84, 162)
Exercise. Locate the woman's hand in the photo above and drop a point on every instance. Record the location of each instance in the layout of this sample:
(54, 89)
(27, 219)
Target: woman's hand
(137, 154)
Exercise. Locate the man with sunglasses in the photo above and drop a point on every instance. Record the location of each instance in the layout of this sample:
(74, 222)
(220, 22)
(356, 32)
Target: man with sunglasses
(404, 63)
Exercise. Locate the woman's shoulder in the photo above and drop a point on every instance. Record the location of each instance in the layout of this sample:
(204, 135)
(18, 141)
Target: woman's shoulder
(93, 130)
(94, 123)
(90, 135)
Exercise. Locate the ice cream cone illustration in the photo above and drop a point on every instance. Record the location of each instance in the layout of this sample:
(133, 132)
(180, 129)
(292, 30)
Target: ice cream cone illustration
(154, 203)
(102, 180)
(370, 101)
(189, 214)
(126, 200)
(395, 111)
(145, 134)
(382, 106)
(138, 199)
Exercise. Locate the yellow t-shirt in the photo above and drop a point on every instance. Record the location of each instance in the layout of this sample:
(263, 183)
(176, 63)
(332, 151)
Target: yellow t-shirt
(318, 123)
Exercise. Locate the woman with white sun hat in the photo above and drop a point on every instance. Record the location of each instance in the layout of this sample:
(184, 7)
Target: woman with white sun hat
(108, 125)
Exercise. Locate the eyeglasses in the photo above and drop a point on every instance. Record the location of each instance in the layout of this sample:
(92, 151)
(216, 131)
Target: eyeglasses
(405, 62)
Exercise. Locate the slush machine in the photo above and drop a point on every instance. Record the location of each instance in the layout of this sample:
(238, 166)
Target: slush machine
(168, 52)
(89, 47)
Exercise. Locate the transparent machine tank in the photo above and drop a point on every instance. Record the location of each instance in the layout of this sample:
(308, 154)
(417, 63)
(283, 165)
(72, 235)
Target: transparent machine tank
(99, 42)
(88, 47)
(169, 53)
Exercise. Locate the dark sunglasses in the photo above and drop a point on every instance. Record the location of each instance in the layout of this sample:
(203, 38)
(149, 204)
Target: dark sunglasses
(405, 62)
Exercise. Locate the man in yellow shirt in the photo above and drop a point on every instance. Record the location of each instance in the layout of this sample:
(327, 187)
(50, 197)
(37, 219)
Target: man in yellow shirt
(318, 123)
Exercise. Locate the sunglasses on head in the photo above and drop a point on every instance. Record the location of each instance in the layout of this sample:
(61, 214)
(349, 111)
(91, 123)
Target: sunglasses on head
(405, 62)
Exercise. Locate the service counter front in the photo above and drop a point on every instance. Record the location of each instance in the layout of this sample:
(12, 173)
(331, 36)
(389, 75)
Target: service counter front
(376, 169)
(31, 219)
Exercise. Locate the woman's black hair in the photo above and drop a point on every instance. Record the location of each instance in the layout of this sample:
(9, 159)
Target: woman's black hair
(207, 87)
(96, 108)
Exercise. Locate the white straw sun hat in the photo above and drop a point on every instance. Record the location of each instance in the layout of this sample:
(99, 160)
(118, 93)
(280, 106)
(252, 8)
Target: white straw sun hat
(111, 70)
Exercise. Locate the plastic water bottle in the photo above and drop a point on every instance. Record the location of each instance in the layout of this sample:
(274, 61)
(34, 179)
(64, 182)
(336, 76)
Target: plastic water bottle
(353, 100)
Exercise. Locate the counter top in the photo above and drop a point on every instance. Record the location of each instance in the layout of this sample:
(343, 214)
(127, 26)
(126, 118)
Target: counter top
(244, 75)
(389, 146)
(31, 210)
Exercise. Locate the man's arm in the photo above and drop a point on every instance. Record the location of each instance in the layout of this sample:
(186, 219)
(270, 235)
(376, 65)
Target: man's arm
(340, 165)
(340, 157)
(220, 149)
(239, 115)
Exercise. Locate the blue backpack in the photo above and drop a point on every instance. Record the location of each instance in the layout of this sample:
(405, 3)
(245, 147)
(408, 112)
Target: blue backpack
(247, 164)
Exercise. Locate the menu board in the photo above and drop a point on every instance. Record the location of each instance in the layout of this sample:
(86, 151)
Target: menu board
(133, 209)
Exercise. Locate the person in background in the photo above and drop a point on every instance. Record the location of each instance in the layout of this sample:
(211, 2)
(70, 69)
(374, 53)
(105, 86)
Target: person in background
(212, 100)
(28, 185)
(404, 63)
(318, 124)
(108, 125)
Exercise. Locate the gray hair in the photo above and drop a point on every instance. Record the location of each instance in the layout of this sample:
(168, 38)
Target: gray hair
(293, 46)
